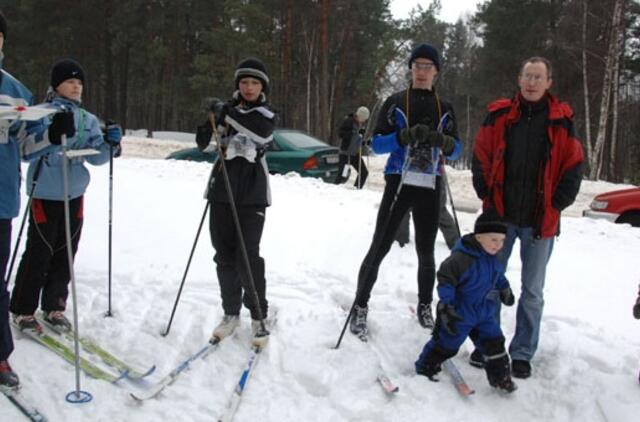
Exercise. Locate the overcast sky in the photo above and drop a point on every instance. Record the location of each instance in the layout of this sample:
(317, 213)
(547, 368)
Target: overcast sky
(450, 12)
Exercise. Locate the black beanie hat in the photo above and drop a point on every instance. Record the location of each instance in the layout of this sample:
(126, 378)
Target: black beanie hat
(3, 25)
(490, 222)
(425, 51)
(66, 69)
(253, 68)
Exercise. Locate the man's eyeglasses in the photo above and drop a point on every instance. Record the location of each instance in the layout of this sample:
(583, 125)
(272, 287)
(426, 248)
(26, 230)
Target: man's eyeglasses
(423, 66)
(533, 78)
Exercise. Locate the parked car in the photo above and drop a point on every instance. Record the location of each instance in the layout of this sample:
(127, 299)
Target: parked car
(619, 206)
(291, 150)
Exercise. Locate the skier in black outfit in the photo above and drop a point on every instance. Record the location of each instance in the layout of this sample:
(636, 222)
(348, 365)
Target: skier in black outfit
(351, 134)
(247, 124)
(409, 122)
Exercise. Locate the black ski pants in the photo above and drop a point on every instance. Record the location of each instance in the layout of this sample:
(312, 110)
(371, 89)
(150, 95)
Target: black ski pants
(6, 341)
(357, 162)
(44, 265)
(425, 207)
(231, 269)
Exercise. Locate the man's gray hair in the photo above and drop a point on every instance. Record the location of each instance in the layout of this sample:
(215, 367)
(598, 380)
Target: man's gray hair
(538, 59)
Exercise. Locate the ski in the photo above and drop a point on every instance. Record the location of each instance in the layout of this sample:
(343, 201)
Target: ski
(256, 350)
(461, 385)
(234, 401)
(93, 348)
(382, 378)
(68, 354)
(453, 371)
(387, 385)
(18, 400)
(171, 377)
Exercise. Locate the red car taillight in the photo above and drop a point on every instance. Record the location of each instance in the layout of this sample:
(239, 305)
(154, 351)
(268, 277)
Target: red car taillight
(311, 163)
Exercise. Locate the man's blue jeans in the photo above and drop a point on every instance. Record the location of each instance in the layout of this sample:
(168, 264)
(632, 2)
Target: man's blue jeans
(534, 254)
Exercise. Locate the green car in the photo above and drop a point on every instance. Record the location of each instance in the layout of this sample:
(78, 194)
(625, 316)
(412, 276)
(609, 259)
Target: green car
(291, 150)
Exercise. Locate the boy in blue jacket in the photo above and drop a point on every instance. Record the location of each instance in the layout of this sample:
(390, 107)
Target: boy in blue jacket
(470, 283)
(44, 267)
(18, 138)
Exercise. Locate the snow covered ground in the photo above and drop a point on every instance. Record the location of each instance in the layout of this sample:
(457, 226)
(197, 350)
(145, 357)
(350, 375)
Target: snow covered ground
(316, 234)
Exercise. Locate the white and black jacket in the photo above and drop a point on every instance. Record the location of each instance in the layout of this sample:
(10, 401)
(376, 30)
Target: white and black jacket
(248, 131)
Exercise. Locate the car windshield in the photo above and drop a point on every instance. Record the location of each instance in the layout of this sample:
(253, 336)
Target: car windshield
(301, 140)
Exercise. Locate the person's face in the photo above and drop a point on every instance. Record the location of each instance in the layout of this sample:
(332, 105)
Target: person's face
(71, 89)
(1, 41)
(423, 71)
(250, 88)
(534, 81)
(491, 242)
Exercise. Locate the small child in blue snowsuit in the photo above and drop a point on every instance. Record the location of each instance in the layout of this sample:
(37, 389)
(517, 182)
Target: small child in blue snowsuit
(470, 283)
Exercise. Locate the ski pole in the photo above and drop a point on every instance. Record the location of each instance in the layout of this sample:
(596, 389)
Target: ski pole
(193, 248)
(186, 270)
(453, 208)
(109, 314)
(76, 396)
(236, 221)
(377, 243)
(34, 182)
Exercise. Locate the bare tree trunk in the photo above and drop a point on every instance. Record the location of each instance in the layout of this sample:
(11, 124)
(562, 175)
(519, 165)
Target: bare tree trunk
(324, 69)
(595, 166)
(616, 94)
(585, 83)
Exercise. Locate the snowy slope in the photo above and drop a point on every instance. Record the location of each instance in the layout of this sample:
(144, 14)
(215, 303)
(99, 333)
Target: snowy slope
(315, 237)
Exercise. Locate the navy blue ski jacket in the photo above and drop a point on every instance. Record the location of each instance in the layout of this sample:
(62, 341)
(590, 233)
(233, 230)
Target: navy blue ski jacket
(470, 279)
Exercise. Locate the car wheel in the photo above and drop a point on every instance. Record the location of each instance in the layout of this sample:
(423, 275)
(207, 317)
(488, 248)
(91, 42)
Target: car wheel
(630, 217)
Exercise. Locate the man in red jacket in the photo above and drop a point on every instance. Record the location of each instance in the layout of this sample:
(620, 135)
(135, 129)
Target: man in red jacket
(527, 164)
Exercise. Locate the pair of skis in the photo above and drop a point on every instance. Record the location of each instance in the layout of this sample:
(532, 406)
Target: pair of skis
(59, 344)
(236, 396)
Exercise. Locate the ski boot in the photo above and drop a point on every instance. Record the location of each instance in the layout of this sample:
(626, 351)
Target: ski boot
(28, 323)
(225, 328)
(358, 323)
(58, 321)
(8, 378)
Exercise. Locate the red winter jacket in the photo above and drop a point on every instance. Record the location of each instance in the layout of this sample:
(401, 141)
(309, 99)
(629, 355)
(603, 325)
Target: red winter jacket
(560, 175)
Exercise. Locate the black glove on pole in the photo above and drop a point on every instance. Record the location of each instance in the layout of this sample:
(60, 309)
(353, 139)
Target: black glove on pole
(62, 123)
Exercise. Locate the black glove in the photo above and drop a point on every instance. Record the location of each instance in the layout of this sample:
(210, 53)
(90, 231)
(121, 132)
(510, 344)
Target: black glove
(417, 133)
(440, 140)
(203, 135)
(506, 296)
(112, 133)
(218, 108)
(62, 123)
(362, 131)
(448, 317)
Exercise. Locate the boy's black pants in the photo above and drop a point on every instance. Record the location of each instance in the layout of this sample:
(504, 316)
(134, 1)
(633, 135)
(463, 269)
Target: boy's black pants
(231, 269)
(44, 264)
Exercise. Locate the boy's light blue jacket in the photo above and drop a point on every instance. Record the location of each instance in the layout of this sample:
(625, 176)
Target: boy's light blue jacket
(88, 135)
(17, 138)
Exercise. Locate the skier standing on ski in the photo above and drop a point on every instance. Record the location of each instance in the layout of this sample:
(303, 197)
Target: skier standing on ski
(16, 138)
(43, 273)
(351, 134)
(471, 283)
(247, 123)
(409, 128)
(527, 164)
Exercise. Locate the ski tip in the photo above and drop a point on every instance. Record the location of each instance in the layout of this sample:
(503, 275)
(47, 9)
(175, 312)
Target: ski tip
(136, 398)
(124, 374)
(135, 376)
